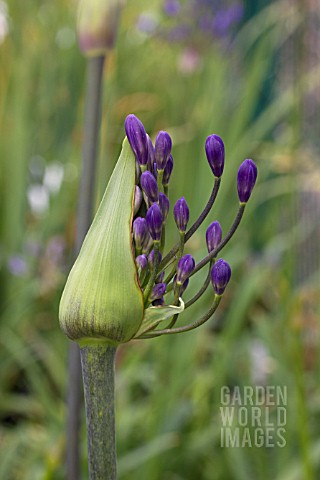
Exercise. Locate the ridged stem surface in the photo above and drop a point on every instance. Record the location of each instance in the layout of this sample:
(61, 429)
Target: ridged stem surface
(98, 379)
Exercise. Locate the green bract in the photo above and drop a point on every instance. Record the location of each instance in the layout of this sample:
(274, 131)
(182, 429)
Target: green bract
(102, 300)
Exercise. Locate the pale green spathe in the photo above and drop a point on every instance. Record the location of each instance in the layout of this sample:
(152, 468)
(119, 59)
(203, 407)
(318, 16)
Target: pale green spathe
(102, 300)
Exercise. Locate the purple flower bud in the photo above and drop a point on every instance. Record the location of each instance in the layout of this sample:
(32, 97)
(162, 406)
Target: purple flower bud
(171, 7)
(220, 276)
(164, 205)
(167, 171)
(151, 154)
(215, 154)
(163, 147)
(185, 267)
(140, 230)
(149, 186)
(181, 214)
(154, 222)
(158, 291)
(137, 200)
(142, 262)
(247, 175)
(182, 287)
(151, 258)
(137, 137)
(213, 235)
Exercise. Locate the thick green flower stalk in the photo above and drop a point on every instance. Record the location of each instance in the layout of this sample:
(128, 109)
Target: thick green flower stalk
(123, 287)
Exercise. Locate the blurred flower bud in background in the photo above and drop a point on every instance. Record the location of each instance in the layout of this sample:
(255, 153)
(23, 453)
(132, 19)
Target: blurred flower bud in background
(97, 27)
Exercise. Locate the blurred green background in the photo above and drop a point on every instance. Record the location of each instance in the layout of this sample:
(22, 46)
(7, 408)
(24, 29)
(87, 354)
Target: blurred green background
(256, 84)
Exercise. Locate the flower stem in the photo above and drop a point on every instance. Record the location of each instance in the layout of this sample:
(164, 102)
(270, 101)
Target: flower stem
(84, 217)
(98, 378)
(196, 224)
(224, 241)
(204, 287)
(180, 253)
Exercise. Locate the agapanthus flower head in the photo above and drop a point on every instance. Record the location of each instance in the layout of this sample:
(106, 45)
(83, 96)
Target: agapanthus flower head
(164, 205)
(149, 186)
(167, 171)
(181, 214)
(163, 147)
(154, 221)
(120, 271)
(140, 231)
(220, 276)
(247, 176)
(185, 267)
(215, 154)
(137, 137)
(213, 235)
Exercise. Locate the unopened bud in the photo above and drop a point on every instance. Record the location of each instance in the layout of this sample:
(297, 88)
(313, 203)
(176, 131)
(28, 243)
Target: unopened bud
(247, 176)
(213, 235)
(149, 186)
(181, 214)
(97, 27)
(158, 291)
(140, 230)
(220, 276)
(215, 154)
(185, 267)
(137, 137)
(154, 222)
(163, 147)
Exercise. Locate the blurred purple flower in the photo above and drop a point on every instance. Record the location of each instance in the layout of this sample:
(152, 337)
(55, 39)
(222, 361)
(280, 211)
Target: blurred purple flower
(147, 23)
(17, 266)
(55, 249)
(226, 18)
(196, 23)
(171, 7)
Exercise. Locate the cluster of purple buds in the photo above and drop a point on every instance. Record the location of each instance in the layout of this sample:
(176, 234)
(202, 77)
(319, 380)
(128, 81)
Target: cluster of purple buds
(162, 272)
(196, 23)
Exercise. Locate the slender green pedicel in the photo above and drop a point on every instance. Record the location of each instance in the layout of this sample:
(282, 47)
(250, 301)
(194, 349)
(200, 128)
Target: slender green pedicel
(102, 300)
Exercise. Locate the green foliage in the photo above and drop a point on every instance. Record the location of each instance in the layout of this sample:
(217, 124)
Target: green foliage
(168, 389)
